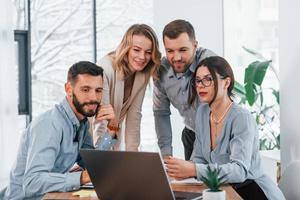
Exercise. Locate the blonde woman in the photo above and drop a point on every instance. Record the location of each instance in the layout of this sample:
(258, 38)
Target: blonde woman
(127, 71)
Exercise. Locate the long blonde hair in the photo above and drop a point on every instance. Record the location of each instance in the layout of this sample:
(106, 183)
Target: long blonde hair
(120, 56)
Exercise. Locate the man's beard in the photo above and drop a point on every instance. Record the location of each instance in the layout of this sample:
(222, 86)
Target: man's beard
(79, 107)
(184, 66)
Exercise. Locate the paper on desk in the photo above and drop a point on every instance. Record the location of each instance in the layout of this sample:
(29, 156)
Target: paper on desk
(84, 193)
(188, 181)
(87, 186)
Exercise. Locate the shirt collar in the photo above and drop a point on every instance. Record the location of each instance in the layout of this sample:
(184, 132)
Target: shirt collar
(69, 112)
(193, 66)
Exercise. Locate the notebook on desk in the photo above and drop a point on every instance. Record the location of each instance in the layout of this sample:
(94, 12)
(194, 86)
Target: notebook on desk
(130, 175)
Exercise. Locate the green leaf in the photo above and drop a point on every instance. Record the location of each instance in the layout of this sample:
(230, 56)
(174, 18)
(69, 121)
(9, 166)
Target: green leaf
(257, 119)
(250, 51)
(212, 178)
(250, 93)
(256, 71)
(266, 109)
(276, 94)
(262, 144)
(270, 146)
(278, 141)
(254, 75)
(261, 69)
(239, 89)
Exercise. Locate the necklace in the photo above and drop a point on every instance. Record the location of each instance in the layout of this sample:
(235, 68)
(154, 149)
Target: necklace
(215, 121)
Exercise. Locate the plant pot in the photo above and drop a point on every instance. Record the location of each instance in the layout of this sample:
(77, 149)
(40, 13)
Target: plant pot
(208, 195)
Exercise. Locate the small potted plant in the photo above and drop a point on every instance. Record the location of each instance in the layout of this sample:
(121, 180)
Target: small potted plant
(213, 181)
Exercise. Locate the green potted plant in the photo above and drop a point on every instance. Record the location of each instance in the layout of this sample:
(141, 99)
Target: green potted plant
(253, 95)
(213, 181)
(263, 101)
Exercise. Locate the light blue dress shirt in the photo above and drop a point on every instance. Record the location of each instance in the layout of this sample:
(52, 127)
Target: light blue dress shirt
(236, 151)
(49, 147)
(172, 88)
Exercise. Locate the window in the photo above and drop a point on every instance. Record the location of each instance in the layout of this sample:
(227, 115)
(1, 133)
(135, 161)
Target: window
(254, 25)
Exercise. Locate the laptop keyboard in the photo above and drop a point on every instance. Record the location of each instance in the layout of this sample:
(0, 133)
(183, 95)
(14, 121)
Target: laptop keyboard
(187, 195)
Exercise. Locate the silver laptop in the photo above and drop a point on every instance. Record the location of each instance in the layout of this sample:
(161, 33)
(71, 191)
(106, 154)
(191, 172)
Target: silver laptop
(123, 175)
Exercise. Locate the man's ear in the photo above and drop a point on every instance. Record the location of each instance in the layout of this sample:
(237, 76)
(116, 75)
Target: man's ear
(68, 89)
(195, 44)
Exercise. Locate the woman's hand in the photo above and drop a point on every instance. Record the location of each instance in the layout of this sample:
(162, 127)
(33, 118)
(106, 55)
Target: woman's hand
(180, 169)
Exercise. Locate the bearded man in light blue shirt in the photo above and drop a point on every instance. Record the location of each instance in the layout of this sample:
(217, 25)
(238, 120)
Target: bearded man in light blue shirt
(50, 145)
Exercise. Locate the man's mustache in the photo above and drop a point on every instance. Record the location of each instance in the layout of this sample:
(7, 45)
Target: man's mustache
(91, 103)
(178, 62)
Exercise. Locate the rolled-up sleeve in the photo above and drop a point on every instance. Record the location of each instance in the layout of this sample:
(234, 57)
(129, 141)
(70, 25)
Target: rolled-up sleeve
(106, 142)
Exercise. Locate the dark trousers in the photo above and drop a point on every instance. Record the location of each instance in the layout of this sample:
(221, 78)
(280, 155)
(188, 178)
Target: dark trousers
(188, 139)
(249, 190)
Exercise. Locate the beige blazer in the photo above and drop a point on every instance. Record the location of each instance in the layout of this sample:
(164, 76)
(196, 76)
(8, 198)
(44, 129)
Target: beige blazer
(113, 93)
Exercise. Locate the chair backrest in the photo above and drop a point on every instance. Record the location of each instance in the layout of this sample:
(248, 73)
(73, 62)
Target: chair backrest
(289, 181)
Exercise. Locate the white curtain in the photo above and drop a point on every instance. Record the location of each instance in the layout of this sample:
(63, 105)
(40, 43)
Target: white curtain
(8, 93)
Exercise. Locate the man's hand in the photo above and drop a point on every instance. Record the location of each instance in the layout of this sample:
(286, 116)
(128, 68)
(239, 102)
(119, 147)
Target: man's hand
(180, 169)
(113, 127)
(105, 112)
(75, 168)
(167, 156)
(84, 178)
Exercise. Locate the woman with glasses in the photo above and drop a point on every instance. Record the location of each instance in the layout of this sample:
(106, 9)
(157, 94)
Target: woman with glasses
(226, 136)
(127, 71)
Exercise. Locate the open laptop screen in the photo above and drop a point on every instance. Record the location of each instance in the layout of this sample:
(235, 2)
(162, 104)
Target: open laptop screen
(127, 175)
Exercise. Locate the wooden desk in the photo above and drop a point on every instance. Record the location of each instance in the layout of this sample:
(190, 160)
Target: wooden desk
(230, 192)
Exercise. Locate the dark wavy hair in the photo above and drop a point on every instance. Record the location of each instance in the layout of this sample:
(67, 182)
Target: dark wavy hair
(215, 65)
(83, 67)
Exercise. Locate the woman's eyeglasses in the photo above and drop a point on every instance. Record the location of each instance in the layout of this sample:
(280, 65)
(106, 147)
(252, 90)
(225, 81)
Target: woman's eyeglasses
(206, 81)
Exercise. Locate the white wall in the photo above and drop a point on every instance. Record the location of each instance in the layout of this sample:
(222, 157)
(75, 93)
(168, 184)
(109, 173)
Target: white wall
(289, 54)
(8, 92)
(207, 19)
(205, 16)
